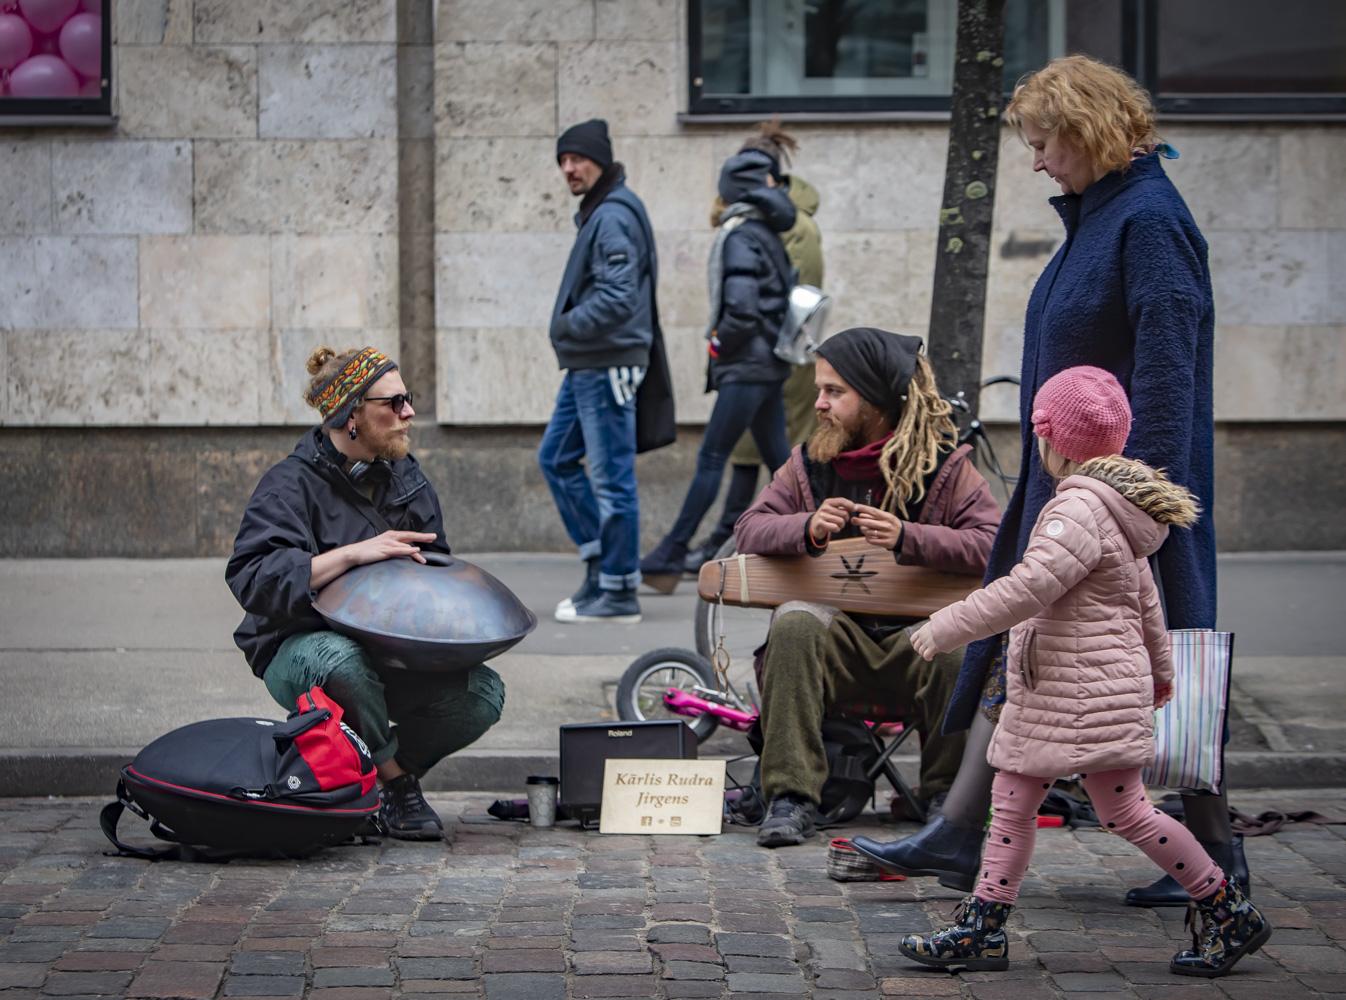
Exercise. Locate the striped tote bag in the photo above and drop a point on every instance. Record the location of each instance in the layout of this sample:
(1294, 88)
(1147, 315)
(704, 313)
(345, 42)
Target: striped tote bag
(1189, 730)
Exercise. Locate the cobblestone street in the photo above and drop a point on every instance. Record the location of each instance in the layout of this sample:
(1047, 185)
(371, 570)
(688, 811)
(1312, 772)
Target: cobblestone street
(511, 913)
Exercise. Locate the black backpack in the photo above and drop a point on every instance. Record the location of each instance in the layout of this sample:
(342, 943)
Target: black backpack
(244, 787)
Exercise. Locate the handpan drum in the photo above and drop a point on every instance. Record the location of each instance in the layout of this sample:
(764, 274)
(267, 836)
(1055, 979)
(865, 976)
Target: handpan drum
(445, 615)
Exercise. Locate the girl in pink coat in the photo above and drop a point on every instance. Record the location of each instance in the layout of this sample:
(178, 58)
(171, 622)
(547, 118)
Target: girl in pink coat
(1088, 665)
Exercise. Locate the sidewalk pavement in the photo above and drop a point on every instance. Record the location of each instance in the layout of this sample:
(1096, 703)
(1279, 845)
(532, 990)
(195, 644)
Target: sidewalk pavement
(507, 912)
(101, 656)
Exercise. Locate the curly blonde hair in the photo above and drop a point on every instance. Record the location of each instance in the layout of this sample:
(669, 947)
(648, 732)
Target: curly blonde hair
(924, 429)
(1095, 107)
(322, 366)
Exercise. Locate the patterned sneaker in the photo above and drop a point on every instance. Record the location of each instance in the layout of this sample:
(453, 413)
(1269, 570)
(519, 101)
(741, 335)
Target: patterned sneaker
(1229, 928)
(975, 942)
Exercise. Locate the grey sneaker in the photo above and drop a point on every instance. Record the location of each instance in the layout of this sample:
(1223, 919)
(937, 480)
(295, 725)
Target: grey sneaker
(789, 821)
(618, 607)
(406, 814)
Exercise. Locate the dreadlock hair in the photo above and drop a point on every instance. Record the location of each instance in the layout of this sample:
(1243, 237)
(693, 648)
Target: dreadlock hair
(924, 429)
(772, 139)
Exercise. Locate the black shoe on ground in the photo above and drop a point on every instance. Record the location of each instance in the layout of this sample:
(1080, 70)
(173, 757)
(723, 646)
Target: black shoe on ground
(789, 821)
(662, 568)
(941, 848)
(618, 607)
(1168, 892)
(1224, 928)
(405, 813)
(589, 589)
(975, 942)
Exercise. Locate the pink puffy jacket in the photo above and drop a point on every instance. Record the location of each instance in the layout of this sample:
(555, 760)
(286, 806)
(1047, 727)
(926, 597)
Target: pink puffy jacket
(1087, 636)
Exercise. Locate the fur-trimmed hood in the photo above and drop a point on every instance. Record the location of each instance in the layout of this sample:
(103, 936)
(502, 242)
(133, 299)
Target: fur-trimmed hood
(1144, 501)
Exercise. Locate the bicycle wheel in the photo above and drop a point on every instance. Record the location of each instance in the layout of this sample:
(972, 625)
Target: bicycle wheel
(640, 693)
(744, 628)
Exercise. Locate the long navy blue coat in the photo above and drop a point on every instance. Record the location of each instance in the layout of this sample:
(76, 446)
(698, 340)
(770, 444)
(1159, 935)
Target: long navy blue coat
(1129, 291)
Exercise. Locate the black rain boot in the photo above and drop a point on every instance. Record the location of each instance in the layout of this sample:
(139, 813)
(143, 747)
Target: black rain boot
(1229, 928)
(587, 592)
(942, 849)
(662, 568)
(975, 942)
(1168, 892)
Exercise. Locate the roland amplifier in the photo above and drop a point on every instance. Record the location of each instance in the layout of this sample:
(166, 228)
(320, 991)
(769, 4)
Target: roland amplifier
(585, 746)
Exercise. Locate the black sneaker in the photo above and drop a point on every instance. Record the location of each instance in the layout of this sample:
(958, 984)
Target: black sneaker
(619, 607)
(789, 821)
(406, 814)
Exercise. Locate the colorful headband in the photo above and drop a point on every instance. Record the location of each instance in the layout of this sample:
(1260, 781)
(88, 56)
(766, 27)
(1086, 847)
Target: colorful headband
(338, 397)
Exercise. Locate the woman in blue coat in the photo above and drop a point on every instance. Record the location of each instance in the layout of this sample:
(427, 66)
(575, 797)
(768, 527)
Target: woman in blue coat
(1128, 291)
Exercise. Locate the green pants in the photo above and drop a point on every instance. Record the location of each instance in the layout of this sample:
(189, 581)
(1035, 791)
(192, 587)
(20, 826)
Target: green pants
(819, 661)
(434, 714)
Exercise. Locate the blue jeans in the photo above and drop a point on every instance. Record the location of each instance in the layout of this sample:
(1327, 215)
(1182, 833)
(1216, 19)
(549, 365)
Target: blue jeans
(739, 406)
(600, 508)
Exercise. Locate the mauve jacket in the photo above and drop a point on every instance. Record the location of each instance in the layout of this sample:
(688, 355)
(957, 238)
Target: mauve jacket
(953, 533)
(1088, 641)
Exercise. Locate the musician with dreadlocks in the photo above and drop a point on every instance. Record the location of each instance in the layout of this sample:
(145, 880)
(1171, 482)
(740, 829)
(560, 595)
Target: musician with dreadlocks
(883, 464)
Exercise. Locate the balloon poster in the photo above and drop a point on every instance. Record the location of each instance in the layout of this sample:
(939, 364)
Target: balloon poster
(51, 48)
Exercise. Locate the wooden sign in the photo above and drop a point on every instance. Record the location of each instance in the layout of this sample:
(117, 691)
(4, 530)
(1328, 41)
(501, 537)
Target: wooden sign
(851, 575)
(662, 796)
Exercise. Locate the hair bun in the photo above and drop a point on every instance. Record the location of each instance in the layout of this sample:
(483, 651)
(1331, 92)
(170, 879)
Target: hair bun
(319, 358)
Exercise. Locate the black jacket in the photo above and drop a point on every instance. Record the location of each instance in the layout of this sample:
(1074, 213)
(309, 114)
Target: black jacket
(304, 506)
(604, 311)
(758, 277)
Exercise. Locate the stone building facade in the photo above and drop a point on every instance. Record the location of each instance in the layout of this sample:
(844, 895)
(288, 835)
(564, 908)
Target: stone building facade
(285, 173)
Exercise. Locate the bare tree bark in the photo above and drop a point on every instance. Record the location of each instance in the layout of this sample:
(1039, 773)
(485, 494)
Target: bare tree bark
(962, 254)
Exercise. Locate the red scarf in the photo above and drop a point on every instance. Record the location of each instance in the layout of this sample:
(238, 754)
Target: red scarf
(862, 464)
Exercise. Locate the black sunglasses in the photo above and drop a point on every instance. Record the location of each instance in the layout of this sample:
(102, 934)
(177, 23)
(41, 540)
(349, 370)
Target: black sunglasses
(394, 402)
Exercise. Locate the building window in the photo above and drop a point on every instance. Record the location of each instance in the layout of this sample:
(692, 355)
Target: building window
(840, 56)
(56, 62)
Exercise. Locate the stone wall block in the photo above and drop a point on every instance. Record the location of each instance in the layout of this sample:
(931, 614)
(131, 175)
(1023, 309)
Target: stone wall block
(1227, 177)
(1260, 369)
(901, 177)
(828, 161)
(285, 379)
(205, 282)
(201, 377)
(501, 185)
(416, 187)
(26, 208)
(485, 89)
(683, 296)
(1311, 178)
(1271, 278)
(270, 21)
(63, 282)
(334, 282)
(1021, 195)
(152, 22)
(182, 92)
(633, 85)
(122, 187)
(297, 187)
(415, 92)
(76, 377)
(515, 21)
(495, 375)
(498, 279)
(638, 20)
(686, 350)
(327, 91)
(877, 279)
(675, 177)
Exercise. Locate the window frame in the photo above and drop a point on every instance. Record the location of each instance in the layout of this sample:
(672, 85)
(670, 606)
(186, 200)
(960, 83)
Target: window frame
(33, 112)
(1140, 57)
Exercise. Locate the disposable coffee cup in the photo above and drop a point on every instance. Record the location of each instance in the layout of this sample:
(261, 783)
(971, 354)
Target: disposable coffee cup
(542, 800)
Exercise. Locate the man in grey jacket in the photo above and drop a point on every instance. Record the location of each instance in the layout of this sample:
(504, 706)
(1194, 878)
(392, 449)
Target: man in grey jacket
(602, 327)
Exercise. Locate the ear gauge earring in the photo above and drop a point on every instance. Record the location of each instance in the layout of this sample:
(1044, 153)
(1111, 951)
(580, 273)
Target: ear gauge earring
(353, 434)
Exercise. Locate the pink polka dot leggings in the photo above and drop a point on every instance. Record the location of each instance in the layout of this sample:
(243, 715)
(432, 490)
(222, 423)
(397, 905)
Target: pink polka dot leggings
(1123, 808)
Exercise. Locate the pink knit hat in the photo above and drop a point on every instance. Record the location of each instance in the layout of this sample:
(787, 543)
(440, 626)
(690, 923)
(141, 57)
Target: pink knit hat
(1082, 413)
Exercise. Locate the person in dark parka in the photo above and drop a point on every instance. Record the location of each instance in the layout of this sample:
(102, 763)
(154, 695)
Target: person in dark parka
(750, 278)
(1129, 291)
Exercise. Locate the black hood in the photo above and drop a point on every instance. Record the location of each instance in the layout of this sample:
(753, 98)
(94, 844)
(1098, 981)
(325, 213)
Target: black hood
(778, 211)
(743, 172)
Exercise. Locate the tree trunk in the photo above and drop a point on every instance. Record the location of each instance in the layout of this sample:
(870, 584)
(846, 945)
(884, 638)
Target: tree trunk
(962, 254)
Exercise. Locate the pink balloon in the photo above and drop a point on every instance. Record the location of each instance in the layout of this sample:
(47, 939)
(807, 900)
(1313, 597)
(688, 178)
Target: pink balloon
(91, 88)
(82, 44)
(16, 41)
(47, 15)
(43, 76)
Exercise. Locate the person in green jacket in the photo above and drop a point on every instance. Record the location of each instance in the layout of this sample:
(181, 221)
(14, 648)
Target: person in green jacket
(804, 244)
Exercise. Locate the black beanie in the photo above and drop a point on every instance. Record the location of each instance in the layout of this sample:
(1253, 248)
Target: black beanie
(588, 139)
(747, 170)
(875, 363)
